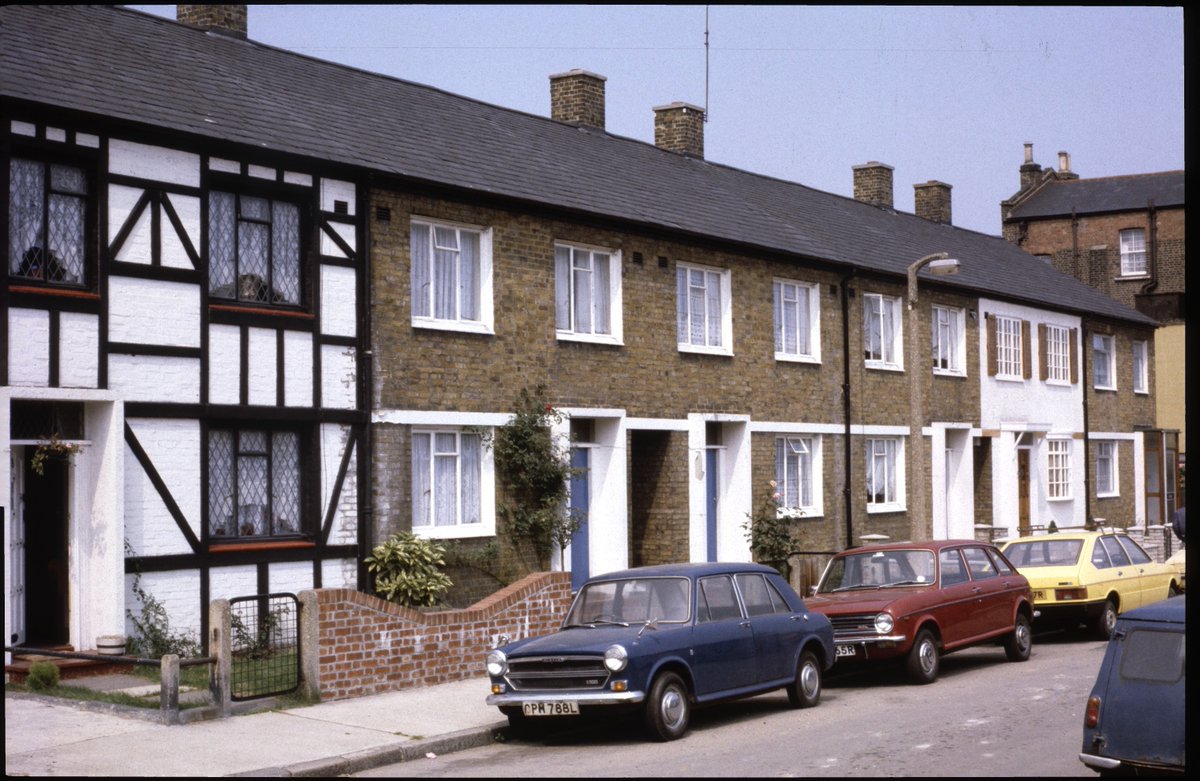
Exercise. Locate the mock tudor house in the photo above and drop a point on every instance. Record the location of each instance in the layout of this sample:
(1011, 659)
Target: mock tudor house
(259, 330)
(1124, 236)
(183, 315)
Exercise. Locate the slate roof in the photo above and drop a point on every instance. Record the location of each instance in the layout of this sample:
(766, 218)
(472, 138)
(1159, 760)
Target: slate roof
(1101, 195)
(115, 62)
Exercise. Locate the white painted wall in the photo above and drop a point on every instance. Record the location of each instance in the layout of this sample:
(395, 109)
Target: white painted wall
(144, 311)
(78, 350)
(28, 347)
(174, 448)
(154, 378)
(298, 369)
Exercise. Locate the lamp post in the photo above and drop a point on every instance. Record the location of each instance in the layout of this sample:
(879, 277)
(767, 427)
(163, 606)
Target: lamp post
(920, 514)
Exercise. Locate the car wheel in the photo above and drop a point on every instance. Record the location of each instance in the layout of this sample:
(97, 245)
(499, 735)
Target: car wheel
(805, 690)
(1106, 621)
(1019, 644)
(668, 709)
(923, 659)
(1173, 590)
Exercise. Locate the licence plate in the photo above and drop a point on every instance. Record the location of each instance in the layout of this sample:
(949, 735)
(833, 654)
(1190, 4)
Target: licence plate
(1039, 595)
(552, 708)
(844, 650)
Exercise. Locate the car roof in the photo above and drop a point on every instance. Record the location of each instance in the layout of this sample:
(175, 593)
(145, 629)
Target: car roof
(1076, 535)
(1172, 610)
(694, 569)
(922, 545)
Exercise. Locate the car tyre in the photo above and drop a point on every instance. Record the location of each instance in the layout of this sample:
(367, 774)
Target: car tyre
(923, 662)
(1106, 621)
(805, 689)
(668, 708)
(1019, 644)
(1173, 590)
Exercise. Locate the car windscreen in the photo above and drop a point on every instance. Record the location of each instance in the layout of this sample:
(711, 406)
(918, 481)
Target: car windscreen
(879, 569)
(634, 600)
(1044, 553)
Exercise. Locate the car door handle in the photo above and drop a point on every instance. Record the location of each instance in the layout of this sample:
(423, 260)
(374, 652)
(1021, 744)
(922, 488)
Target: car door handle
(799, 618)
(976, 590)
(745, 624)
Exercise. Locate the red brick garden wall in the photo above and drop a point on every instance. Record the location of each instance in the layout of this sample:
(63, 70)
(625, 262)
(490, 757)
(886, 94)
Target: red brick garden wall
(369, 646)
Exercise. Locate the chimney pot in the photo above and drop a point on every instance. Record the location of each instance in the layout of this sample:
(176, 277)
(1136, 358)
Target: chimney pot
(679, 127)
(228, 19)
(1064, 163)
(577, 98)
(932, 201)
(1028, 153)
(873, 184)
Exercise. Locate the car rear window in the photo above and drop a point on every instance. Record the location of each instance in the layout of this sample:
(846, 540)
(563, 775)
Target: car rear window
(1044, 553)
(1153, 655)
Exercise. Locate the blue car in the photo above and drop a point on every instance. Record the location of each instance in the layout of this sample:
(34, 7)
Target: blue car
(661, 640)
(1134, 721)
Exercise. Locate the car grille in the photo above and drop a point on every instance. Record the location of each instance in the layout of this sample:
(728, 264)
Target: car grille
(853, 625)
(557, 672)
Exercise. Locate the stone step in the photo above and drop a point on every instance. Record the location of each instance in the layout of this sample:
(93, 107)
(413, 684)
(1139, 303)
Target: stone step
(18, 670)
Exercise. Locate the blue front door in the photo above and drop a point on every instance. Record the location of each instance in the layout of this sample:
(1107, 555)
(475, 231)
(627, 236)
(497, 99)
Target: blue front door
(579, 508)
(710, 497)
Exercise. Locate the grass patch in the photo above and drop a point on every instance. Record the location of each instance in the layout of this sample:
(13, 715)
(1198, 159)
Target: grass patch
(81, 694)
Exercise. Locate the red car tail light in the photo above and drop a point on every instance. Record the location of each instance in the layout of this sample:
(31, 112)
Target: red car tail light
(1063, 594)
(1091, 716)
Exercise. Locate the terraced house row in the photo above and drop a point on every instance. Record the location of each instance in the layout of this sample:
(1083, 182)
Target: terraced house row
(269, 327)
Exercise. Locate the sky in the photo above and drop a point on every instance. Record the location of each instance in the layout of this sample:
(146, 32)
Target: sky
(805, 93)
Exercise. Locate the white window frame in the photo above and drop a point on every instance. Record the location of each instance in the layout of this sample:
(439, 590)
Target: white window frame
(949, 345)
(1010, 358)
(1106, 469)
(423, 526)
(580, 265)
(484, 320)
(712, 280)
(886, 453)
(1058, 354)
(1133, 252)
(1058, 469)
(1105, 357)
(799, 474)
(797, 298)
(890, 354)
(1141, 371)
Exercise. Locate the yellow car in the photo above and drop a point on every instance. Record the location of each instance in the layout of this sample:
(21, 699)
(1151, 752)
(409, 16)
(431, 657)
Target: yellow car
(1179, 562)
(1089, 577)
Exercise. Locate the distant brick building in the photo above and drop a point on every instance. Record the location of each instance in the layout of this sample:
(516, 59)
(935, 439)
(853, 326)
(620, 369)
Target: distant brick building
(1124, 236)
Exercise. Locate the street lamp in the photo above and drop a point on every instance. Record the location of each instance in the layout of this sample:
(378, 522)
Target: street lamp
(940, 264)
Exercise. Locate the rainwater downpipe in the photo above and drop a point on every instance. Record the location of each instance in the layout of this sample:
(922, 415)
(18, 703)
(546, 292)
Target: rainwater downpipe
(1086, 331)
(1152, 240)
(847, 467)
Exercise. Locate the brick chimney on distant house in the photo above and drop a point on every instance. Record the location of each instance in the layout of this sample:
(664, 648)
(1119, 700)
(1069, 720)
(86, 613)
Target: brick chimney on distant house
(228, 19)
(577, 98)
(679, 127)
(873, 184)
(932, 201)
(1030, 171)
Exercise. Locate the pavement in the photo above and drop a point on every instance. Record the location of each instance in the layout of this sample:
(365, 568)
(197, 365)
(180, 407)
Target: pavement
(50, 736)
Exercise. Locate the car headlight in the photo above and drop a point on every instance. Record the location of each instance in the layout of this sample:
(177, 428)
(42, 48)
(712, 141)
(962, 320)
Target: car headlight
(884, 623)
(615, 658)
(497, 663)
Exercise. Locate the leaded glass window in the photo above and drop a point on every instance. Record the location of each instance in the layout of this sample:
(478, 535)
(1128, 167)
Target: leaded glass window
(47, 222)
(253, 484)
(253, 249)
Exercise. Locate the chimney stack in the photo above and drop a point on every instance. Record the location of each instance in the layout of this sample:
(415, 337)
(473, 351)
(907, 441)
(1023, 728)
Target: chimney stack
(228, 19)
(932, 201)
(873, 184)
(679, 127)
(577, 98)
(1029, 169)
(1064, 167)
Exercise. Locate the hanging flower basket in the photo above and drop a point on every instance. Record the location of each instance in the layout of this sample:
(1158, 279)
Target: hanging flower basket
(51, 448)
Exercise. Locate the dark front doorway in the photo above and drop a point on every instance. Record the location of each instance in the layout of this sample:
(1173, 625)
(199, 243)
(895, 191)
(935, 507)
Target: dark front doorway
(44, 513)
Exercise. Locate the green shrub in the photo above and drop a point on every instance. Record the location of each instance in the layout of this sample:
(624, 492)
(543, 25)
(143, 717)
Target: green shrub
(407, 570)
(42, 676)
(154, 637)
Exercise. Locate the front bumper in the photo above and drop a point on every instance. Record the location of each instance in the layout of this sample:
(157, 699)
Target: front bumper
(873, 646)
(513, 698)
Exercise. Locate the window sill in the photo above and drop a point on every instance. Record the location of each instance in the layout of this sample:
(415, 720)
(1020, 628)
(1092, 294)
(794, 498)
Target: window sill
(886, 367)
(1108, 496)
(890, 507)
(571, 336)
(1104, 388)
(431, 324)
(236, 547)
(1141, 392)
(1009, 378)
(949, 373)
(788, 358)
(64, 292)
(454, 532)
(260, 310)
(698, 350)
(1060, 498)
(1142, 277)
(1059, 383)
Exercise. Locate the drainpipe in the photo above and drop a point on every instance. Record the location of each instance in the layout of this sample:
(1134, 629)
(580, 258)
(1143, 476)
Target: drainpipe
(847, 460)
(1152, 240)
(1085, 331)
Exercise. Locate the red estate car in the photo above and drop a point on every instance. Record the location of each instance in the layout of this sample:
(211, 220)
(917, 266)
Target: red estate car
(920, 600)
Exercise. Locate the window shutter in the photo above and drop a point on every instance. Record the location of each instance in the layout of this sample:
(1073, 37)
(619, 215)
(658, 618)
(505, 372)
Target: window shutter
(1074, 356)
(992, 368)
(1026, 355)
(1043, 363)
